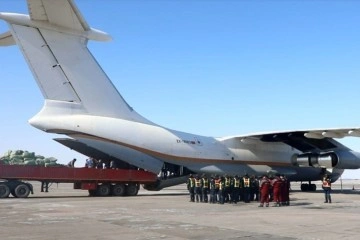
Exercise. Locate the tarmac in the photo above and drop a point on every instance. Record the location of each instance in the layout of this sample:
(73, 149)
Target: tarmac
(65, 213)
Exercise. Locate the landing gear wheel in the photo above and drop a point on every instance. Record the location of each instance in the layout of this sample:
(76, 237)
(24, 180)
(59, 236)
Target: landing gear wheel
(132, 189)
(22, 191)
(4, 191)
(92, 192)
(118, 190)
(103, 190)
(312, 187)
(304, 187)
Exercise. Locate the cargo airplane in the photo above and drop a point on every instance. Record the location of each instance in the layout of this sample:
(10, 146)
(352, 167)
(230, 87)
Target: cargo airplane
(83, 104)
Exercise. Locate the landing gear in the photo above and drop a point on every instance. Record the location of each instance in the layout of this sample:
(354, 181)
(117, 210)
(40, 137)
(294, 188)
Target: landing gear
(308, 187)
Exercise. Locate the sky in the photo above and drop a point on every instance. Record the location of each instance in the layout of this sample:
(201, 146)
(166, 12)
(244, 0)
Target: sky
(213, 68)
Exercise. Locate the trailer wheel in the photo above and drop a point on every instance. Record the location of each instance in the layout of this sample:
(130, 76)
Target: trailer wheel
(22, 191)
(103, 190)
(92, 192)
(132, 189)
(4, 190)
(118, 190)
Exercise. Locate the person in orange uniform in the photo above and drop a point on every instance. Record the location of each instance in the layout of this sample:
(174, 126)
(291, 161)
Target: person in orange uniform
(326, 185)
(277, 185)
(264, 191)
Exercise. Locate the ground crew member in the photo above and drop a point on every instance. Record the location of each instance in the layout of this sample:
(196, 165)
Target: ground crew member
(241, 190)
(254, 191)
(285, 191)
(264, 191)
(72, 163)
(191, 187)
(217, 186)
(276, 184)
(236, 189)
(326, 186)
(227, 189)
(246, 187)
(212, 190)
(44, 186)
(221, 193)
(205, 188)
(198, 195)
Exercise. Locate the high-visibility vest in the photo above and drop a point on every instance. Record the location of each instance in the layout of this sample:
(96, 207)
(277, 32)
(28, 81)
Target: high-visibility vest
(236, 183)
(326, 182)
(246, 182)
(191, 182)
(205, 183)
(227, 182)
(197, 183)
(221, 185)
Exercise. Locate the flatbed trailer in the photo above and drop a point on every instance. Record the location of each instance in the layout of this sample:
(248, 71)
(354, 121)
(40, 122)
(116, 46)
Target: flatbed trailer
(99, 182)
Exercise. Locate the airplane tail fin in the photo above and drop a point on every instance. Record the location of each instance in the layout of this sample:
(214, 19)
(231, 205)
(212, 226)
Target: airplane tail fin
(53, 40)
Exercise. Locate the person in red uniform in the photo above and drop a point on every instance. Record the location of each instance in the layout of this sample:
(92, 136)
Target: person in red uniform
(276, 184)
(264, 191)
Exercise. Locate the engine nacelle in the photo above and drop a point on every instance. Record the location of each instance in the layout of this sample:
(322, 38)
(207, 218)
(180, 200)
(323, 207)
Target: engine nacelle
(326, 160)
(338, 159)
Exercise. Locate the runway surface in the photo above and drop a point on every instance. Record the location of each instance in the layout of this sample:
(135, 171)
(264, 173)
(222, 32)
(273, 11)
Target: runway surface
(65, 213)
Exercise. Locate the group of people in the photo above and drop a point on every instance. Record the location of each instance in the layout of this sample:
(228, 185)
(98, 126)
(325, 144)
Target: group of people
(95, 163)
(228, 189)
(99, 163)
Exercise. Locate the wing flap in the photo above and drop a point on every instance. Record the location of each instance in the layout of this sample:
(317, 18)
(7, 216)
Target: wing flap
(6, 39)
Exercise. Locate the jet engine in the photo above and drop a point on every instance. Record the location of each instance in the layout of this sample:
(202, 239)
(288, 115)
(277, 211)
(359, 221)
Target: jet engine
(338, 159)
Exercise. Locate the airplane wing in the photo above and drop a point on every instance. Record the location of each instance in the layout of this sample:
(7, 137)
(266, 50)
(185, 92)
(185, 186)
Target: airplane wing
(318, 140)
(62, 13)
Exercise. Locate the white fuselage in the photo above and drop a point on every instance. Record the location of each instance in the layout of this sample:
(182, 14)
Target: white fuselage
(148, 145)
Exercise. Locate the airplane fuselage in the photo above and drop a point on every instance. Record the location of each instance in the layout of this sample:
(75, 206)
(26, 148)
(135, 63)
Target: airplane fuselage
(148, 146)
